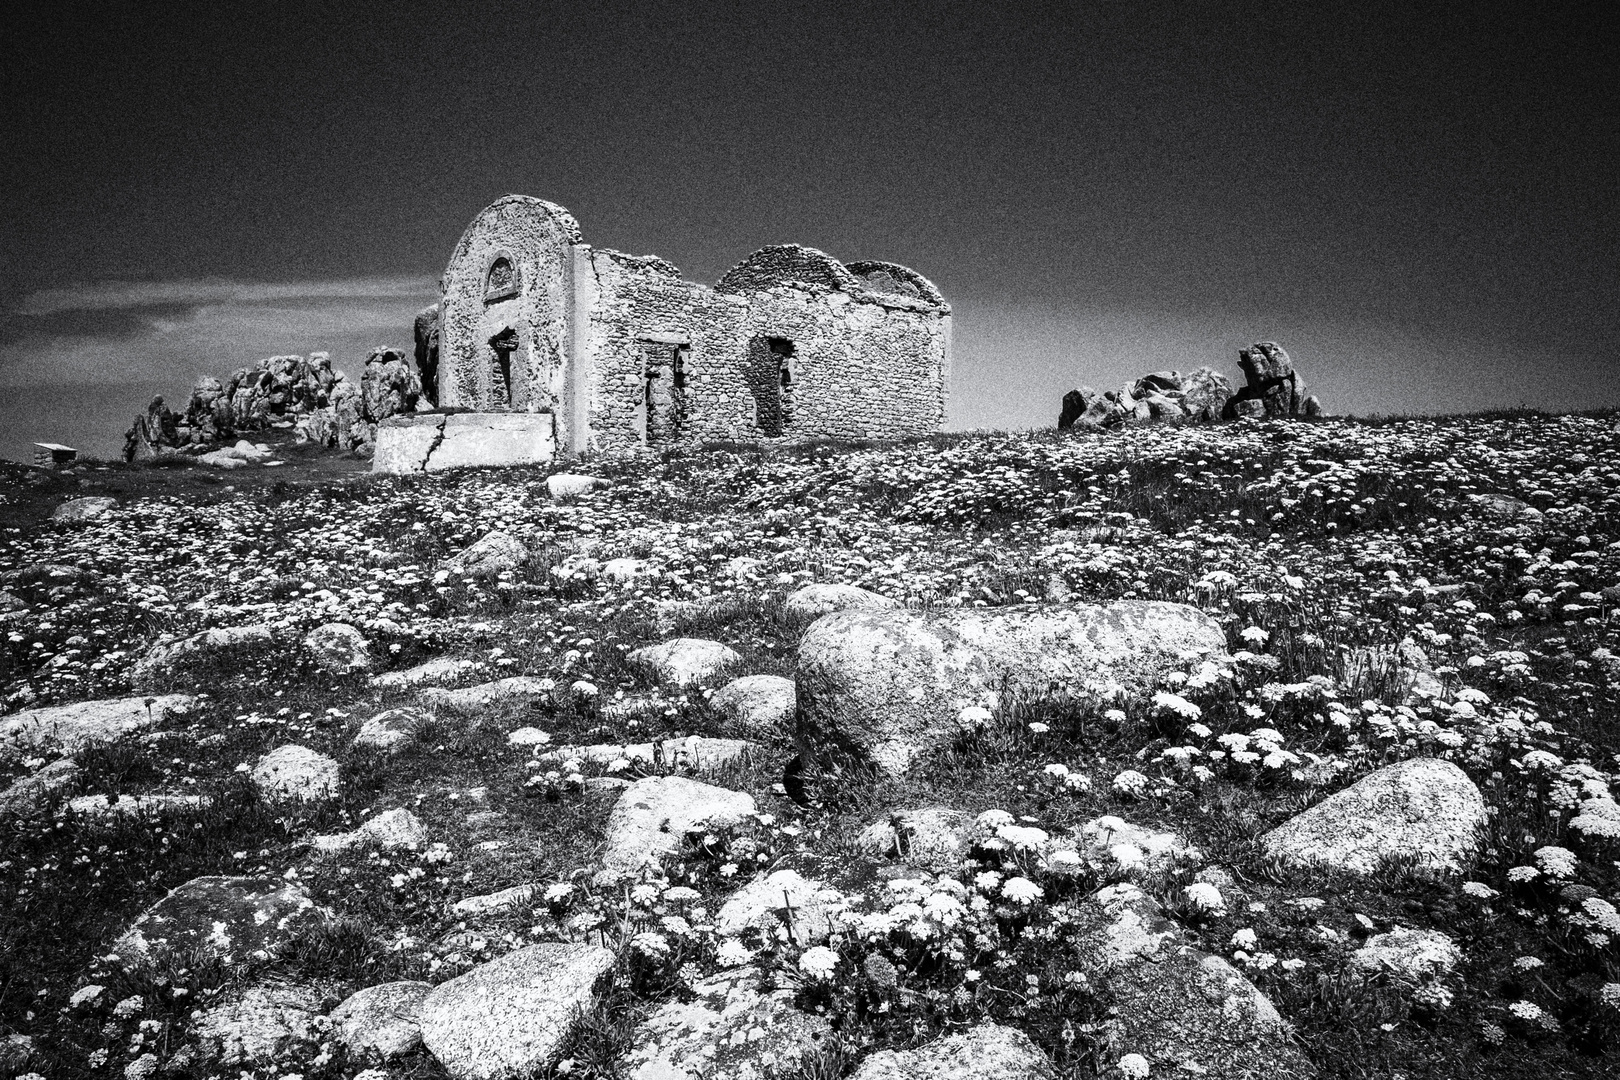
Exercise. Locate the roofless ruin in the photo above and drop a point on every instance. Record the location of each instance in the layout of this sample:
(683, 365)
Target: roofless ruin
(554, 347)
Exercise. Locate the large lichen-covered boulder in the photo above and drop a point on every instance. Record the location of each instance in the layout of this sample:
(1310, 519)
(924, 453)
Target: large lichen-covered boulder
(512, 1016)
(986, 1051)
(72, 727)
(1183, 1010)
(381, 1021)
(887, 686)
(654, 815)
(733, 1027)
(231, 919)
(1424, 810)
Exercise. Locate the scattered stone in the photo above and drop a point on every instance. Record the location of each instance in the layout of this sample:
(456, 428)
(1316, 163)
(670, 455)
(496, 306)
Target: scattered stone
(73, 727)
(887, 686)
(1425, 809)
(684, 661)
(756, 706)
(626, 569)
(338, 648)
(435, 672)
(654, 815)
(573, 485)
(270, 1022)
(512, 1016)
(231, 919)
(476, 701)
(163, 658)
(1407, 956)
(815, 600)
(934, 838)
(733, 1027)
(381, 1022)
(1183, 1010)
(527, 736)
(37, 790)
(693, 753)
(390, 830)
(495, 901)
(295, 772)
(1109, 843)
(491, 554)
(987, 1051)
(78, 511)
(99, 806)
(1506, 509)
(804, 906)
(391, 731)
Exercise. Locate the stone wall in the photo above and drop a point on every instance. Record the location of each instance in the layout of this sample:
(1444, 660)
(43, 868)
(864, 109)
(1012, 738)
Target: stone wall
(532, 300)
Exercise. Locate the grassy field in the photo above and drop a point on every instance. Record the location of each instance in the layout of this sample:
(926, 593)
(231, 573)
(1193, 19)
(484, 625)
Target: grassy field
(1320, 547)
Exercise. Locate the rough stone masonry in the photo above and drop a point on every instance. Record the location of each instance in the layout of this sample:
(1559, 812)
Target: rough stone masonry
(619, 351)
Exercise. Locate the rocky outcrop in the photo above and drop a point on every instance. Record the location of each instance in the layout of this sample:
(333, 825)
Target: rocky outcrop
(154, 431)
(1424, 810)
(425, 330)
(888, 686)
(1161, 395)
(1271, 384)
(1271, 389)
(72, 727)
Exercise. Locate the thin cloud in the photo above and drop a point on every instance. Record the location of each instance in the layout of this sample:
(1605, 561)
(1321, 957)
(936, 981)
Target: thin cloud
(118, 295)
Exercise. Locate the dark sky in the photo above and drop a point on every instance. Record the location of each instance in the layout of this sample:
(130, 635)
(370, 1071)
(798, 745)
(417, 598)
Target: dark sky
(1418, 201)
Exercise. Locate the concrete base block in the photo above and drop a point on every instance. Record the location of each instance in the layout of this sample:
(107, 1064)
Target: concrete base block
(432, 442)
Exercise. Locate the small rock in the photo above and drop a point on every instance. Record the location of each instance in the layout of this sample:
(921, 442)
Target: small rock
(653, 816)
(232, 919)
(78, 511)
(99, 806)
(756, 706)
(295, 772)
(338, 648)
(732, 1027)
(1109, 842)
(527, 736)
(684, 661)
(30, 793)
(573, 485)
(1506, 509)
(512, 1016)
(476, 701)
(934, 838)
(164, 659)
(693, 753)
(72, 727)
(491, 554)
(987, 1051)
(815, 600)
(495, 901)
(435, 672)
(783, 899)
(390, 830)
(391, 731)
(1425, 809)
(627, 569)
(1407, 956)
(381, 1021)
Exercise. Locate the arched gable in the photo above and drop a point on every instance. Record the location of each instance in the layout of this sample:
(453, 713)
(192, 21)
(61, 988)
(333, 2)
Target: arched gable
(892, 278)
(787, 264)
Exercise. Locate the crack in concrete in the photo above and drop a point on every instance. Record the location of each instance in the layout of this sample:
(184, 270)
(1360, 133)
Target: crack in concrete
(438, 439)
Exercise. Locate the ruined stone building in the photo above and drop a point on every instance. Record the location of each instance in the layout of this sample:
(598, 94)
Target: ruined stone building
(611, 351)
